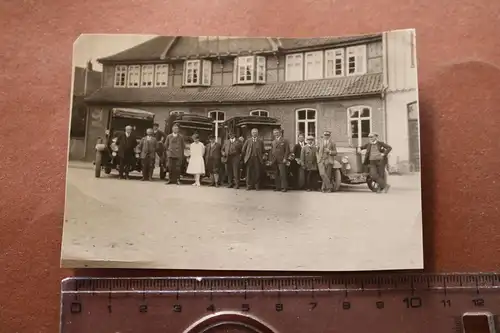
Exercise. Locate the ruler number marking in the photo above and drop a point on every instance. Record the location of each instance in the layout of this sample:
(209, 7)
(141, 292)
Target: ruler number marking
(245, 307)
(380, 305)
(279, 307)
(313, 305)
(346, 305)
(76, 307)
(446, 303)
(177, 308)
(143, 308)
(413, 302)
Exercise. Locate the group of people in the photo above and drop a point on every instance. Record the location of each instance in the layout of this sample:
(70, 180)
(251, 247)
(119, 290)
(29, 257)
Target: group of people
(213, 159)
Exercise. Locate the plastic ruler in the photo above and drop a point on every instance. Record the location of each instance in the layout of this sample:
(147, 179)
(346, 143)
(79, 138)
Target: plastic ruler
(396, 303)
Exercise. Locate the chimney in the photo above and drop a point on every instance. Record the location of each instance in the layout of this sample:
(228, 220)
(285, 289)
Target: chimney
(89, 66)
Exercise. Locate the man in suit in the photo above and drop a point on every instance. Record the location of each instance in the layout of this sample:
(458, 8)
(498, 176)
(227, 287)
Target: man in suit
(376, 159)
(327, 151)
(297, 170)
(309, 163)
(147, 148)
(174, 150)
(231, 153)
(126, 143)
(213, 160)
(252, 153)
(280, 151)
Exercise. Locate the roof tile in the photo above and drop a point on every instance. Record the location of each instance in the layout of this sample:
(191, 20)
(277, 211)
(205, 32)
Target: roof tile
(281, 91)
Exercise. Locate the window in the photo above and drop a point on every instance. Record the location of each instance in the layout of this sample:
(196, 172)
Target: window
(245, 69)
(177, 113)
(218, 118)
(306, 122)
(314, 65)
(147, 75)
(260, 113)
(192, 71)
(134, 73)
(120, 76)
(294, 67)
(251, 69)
(360, 124)
(356, 60)
(161, 75)
(334, 63)
(207, 73)
(261, 69)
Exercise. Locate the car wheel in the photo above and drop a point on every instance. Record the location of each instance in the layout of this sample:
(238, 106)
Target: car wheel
(107, 170)
(98, 163)
(372, 185)
(336, 180)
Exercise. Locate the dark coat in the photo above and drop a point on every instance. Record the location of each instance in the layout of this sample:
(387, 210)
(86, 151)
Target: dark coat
(280, 150)
(147, 147)
(297, 149)
(383, 147)
(213, 152)
(174, 146)
(247, 149)
(231, 149)
(126, 145)
(160, 136)
(308, 157)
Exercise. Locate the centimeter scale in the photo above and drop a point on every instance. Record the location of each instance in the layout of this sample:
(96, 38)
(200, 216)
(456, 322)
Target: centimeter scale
(406, 303)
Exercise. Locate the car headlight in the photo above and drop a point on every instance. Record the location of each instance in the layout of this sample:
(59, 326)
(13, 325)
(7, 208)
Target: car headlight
(268, 163)
(113, 153)
(137, 155)
(345, 160)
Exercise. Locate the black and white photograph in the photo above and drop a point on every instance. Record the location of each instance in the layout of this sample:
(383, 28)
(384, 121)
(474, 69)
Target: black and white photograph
(244, 153)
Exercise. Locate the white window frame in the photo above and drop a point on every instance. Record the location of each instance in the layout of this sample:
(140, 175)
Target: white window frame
(359, 55)
(260, 71)
(313, 65)
(147, 76)
(335, 55)
(177, 112)
(246, 64)
(216, 121)
(121, 72)
(358, 108)
(161, 75)
(306, 121)
(259, 113)
(134, 76)
(195, 65)
(206, 75)
(294, 60)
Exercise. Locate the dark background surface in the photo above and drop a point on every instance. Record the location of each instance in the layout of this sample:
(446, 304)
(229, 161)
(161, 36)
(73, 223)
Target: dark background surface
(458, 46)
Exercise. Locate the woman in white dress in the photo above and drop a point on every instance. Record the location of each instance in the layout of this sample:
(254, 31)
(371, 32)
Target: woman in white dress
(196, 164)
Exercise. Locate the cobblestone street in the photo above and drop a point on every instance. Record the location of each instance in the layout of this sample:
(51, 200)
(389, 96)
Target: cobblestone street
(129, 223)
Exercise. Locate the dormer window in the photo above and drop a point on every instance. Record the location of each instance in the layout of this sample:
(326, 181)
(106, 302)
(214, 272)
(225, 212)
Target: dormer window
(121, 76)
(250, 69)
(134, 76)
(197, 73)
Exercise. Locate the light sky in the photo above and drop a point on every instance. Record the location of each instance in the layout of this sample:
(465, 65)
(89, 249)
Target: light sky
(91, 47)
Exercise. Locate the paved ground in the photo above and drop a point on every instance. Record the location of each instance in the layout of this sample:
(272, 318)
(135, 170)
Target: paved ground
(128, 223)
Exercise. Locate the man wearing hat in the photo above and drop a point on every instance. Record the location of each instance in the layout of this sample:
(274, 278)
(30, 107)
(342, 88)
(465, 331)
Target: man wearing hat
(231, 154)
(326, 158)
(309, 163)
(174, 149)
(213, 160)
(280, 151)
(376, 159)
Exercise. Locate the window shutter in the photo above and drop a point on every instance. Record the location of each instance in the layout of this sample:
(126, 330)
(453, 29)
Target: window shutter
(235, 71)
(361, 59)
(261, 69)
(339, 55)
(200, 74)
(207, 72)
(329, 63)
(288, 67)
(184, 72)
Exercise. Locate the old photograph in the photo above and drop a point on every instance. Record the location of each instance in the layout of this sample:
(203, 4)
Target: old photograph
(244, 153)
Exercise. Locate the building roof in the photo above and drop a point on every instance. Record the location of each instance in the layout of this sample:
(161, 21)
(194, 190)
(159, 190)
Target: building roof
(301, 43)
(93, 81)
(350, 86)
(177, 47)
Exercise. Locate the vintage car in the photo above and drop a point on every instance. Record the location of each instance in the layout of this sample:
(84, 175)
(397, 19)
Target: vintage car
(188, 125)
(353, 171)
(242, 126)
(106, 148)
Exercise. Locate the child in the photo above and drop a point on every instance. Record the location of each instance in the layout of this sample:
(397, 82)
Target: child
(196, 164)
